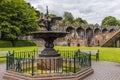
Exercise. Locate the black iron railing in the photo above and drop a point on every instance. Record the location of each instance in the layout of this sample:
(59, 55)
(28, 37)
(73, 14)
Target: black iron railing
(26, 62)
(74, 60)
(22, 62)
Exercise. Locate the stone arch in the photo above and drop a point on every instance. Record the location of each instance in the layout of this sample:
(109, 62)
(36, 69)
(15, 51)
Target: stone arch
(70, 29)
(105, 35)
(89, 35)
(97, 36)
(104, 30)
(112, 30)
(97, 31)
(80, 32)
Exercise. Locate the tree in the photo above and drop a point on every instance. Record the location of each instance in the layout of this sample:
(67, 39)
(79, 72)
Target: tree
(110, 21)
(38, 13)
(85, 22)
(16, 18)
(78, 21)
(118, 22)
(68, 17)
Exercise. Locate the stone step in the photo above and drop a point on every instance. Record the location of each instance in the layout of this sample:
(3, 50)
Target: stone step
(76, 76)
(111, 39)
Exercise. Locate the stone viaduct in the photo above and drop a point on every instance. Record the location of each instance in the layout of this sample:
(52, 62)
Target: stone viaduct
(87, 36)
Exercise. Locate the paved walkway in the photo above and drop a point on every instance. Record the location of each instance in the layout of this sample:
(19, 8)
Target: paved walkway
(102, 71)
(105, 71)
(2, 70)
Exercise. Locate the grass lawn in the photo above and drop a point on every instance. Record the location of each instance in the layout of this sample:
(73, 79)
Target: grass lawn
(19, 48)
(105, 53)
(11, 49)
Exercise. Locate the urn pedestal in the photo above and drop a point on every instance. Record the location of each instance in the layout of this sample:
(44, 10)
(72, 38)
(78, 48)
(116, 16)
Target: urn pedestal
(49, 64)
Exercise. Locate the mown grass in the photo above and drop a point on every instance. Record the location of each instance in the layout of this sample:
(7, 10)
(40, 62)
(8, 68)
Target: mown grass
(17, 49)
(30, 48)
(105, 53)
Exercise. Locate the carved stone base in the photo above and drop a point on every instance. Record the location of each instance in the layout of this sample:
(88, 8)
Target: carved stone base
(49, 64)
(10, 75)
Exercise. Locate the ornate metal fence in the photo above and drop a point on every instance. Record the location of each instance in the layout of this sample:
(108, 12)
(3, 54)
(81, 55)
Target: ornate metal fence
(22, 62)
(74, 60)
(26, 62)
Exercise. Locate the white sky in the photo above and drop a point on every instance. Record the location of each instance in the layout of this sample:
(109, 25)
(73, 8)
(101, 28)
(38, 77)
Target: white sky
(93, 11)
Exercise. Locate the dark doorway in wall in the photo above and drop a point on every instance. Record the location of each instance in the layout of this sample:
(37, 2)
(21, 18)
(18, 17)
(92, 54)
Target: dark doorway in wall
(89, 35)
(97, 31)
(70, 29)
(68, 44)
(78, 44)
(81, 32)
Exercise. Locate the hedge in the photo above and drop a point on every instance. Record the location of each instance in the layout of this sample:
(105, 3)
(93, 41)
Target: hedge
(4, 44)
(19, 43)
(24, 43)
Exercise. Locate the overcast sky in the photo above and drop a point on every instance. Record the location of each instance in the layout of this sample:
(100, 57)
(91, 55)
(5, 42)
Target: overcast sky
(91, 10)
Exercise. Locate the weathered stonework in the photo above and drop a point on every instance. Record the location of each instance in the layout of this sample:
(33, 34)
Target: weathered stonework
(87, 36)
(82, 36)
(51, 63)
(10, 75)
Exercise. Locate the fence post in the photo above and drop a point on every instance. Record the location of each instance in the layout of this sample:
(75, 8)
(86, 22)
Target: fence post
(12, 59)
(13, 56)
(28, 63)
(74, 65)
(66, 62)
(89, 58)
(97, 55)
(7, 61)
(34, 52)
(78, 51)
(32, 65)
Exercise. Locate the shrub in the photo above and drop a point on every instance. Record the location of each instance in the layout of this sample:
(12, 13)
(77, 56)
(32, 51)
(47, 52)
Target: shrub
(4, 44)
(19, 43)
(22, 43)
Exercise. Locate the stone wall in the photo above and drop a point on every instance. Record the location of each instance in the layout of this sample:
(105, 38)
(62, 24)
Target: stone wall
(82, 36)
(86, 36)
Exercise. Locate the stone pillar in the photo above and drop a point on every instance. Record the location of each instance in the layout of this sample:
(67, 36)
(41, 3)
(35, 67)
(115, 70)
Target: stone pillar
(85, 34)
